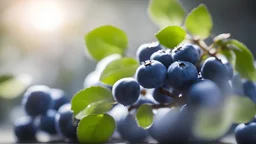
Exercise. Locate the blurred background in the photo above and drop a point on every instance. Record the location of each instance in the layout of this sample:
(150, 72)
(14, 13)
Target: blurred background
(45, 38)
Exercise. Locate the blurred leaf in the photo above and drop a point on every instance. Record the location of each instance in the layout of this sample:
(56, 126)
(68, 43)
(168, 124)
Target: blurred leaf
(106, 40)
(88, 96)
(171, 36)
(95, 128)
(242, 107)
(244, 63)
(98, 107)
(12, 87)
(117, 69)
(145, 116)
(166, 12)
(199, 22)
(230, 55)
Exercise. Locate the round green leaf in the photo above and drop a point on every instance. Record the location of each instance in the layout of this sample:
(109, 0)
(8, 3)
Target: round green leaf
(117, 69)
(95, 128)
(242, 107)
(166, 12)
(98, 107)
(90, 95)
(244, 62)
(145, 116)
(199, 22)
(106, 40)
(171, 36)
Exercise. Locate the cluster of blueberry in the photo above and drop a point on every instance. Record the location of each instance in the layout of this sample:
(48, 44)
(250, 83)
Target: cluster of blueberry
(48, 110)
(179, 78)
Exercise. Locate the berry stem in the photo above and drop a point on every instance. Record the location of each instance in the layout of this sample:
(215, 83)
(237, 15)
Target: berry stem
(167, 93)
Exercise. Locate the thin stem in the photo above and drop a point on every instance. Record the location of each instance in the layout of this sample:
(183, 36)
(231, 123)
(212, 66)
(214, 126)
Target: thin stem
(167, 93)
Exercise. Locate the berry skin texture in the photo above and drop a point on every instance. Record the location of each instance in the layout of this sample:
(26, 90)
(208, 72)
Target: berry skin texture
(47, 122)
(204, 94)
(151, 74)
(126, 91)
(163, 56)
(159, 97)
(245, 133)
(37, 100)
(129, 129)
(214, 70)
(59, 98)
(25, 129)
(181, 74)
(186, 52)
(64, 122)
(250, 90)
(146, 50)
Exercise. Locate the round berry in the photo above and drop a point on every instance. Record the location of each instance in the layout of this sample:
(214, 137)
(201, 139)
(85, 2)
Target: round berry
(186, 52)
(214, 70)
(37, 100)
(163, 56)
(250, 90)
(161, 97)
(59, 98)
(47, 122)
(126, 91)
(245, 133)
(181, 74)
(146, 50)
(230, 70)
(25, 129)
(151, 74)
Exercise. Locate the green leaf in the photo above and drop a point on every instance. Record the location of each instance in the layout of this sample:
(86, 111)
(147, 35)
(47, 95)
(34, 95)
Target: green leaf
(171, 36)
(145, 116)
(244, 63)
(106, 40)
(95, 128)
(199, 22)
(88, 96)
(98, 107)
(230, 55)
(13, 86)
(242, 107)
(166, 12)
(117, 69)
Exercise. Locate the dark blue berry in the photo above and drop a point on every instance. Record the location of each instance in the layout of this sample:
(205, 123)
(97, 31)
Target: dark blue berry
(151, 74)
(146, 50)
(37, 100)
(59, 98)
(186, 52)
(160, 97)
(126, 91)
(245, 133)
(214, 70)
(47, 122)
(230, 70)
(237, 85)
(25, 129)
(250, 90)
(181, 74)
(163, 56)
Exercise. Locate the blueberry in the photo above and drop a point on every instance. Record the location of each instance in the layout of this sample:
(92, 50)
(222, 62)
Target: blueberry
(146, 50)
(25, 129)
(163, 56)
(186, 52)
(64, 123)
(250, 90)
(37, 100)
(214, 70)
(230, 70)
(126, 91)
(245, 133)
(171, 126)
(47, 122)
(129, 129)
(181, 74)
(237, 85)
(151, 74)
(160, 97)
(204, 93)
(59, 98)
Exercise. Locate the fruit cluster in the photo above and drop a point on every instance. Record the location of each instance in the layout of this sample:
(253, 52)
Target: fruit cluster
(48, 110)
